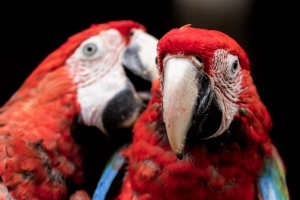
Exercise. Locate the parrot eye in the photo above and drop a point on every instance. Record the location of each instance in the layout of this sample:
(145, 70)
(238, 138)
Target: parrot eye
(89, 49)
(130, 33)
(156, 62)
(234, 67)
(199, 59)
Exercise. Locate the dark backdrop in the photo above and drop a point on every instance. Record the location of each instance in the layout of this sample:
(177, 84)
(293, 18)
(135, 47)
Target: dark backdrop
(28, 33)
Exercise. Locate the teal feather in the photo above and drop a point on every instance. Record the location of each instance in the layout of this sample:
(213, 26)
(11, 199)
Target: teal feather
(272, 181)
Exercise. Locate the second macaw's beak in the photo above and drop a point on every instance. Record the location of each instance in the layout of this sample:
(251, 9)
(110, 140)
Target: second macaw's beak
(187, 102)
(140, 55)
(126, 105)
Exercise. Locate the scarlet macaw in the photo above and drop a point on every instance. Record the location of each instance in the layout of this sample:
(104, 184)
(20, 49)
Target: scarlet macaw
(84, 80)
(205, 132)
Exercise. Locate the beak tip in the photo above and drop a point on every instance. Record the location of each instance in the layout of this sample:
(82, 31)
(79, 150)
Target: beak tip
(179, 155)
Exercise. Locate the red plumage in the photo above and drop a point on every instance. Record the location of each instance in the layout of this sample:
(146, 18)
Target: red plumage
(202, 174)
(37, 151)
(224, 167)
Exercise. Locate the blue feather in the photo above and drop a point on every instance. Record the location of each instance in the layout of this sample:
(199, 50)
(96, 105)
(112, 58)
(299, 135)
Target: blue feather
(109, 174)
(272, 183)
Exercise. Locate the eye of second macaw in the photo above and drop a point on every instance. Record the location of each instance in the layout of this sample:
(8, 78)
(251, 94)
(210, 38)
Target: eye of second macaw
(131, 33)
(234, 66)
(89, 49)
(198, 58)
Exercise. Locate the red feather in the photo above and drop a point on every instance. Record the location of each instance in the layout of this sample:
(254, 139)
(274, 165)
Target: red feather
(37, 151)
(218, 168)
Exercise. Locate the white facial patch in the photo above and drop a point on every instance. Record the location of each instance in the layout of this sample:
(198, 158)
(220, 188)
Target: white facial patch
(97, 71)
(226, 76)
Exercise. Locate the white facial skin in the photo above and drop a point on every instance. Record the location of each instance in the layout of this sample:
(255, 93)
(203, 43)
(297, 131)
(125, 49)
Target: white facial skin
(180, 91)
(98, 73)
(227, 85)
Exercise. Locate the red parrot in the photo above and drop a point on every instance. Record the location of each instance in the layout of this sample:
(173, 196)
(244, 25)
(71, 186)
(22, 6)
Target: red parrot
(83, 81)
(205, 132)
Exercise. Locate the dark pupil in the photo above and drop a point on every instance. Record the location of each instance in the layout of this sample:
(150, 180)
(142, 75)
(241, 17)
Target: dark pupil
(155, 60)
(199, 59)
(89, 49)
(235, 65)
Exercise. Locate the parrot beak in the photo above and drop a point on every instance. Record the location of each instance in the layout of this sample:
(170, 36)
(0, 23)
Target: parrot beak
(122, 110)
(139, 57)
(179, 96)
(188, 104)
(139, 62)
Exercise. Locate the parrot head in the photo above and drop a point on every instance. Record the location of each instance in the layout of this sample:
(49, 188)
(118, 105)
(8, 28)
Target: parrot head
(205, 83)
(95, 61)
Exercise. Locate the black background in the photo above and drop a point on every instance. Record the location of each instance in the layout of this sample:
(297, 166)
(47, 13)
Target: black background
(28, 33)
